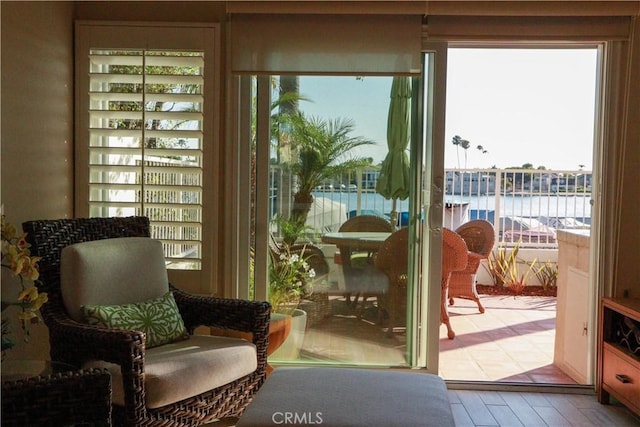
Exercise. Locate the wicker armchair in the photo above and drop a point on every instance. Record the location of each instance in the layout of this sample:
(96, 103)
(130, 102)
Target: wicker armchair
(393, 260)
(69, 398)
(77, 343)
(454, 258)
(479, 236)
(354, 261)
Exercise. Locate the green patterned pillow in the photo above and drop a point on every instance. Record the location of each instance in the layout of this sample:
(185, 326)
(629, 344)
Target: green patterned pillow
(158, 318)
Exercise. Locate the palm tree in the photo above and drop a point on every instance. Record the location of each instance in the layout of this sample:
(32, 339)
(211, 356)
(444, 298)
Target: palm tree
(465, 144)
(456, 141)
(324, 151)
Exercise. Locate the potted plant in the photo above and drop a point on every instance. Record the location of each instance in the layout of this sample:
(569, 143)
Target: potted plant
(290, 278)
(322, 150)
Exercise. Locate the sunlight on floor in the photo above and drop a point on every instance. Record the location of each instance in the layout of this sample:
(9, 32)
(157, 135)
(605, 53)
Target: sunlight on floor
(513, 341)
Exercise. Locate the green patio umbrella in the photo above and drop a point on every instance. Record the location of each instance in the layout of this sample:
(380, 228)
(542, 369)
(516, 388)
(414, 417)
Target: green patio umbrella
(393, 182)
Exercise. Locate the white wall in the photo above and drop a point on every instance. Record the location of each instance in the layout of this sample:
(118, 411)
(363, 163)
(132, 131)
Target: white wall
(36, 130)
(525, 256)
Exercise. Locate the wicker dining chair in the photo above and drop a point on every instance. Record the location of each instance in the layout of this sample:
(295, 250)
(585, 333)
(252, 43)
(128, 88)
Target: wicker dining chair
(353, 262)
(79, 398)
(454, 258)
(80, 344)
(479, 236)
(393, 260)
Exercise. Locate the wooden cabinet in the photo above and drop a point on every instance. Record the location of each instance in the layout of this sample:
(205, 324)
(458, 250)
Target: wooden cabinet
(619, 355)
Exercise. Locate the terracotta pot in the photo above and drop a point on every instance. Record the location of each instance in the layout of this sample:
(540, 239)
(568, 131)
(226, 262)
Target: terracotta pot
(290, 348)
(279, 330)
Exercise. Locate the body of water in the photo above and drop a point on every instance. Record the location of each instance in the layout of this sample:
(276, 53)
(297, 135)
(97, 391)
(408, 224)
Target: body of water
(571, 206)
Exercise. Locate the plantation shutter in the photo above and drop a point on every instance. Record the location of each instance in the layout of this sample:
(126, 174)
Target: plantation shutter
(145, 143)
(147, 119)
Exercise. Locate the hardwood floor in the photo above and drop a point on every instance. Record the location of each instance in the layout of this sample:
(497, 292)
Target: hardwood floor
(473, 408)
(512, 408)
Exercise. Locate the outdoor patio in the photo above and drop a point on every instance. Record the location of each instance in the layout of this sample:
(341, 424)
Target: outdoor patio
(513, 341)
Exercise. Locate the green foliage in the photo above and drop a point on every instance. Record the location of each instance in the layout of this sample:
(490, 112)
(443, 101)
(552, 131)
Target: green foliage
(321, 150)
(547, 275)
(324, 148)
(501, 264)
(504, 269)
(291, 230)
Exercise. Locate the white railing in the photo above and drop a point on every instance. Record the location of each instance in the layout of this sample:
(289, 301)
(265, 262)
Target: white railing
(523, 205)
(526, 205)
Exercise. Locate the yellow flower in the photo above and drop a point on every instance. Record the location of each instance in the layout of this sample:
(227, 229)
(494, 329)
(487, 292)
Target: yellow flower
(39, 301)
(17, 258)
(30, 267)
(28, 295)
(8, 230)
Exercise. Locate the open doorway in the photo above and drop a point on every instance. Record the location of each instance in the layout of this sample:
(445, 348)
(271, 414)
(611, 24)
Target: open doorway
(520, 153)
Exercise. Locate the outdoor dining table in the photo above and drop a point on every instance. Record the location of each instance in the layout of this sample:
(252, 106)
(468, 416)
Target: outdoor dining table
(357, 240)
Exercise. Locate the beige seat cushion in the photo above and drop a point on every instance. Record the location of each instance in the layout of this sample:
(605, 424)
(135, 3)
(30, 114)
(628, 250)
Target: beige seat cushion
(184, 369)
(112, 272)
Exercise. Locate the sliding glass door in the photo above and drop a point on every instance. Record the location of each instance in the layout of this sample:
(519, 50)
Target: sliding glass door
(340, 230)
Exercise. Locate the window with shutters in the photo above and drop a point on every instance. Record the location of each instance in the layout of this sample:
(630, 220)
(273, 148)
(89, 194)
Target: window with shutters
(145, 129)
(145, 145)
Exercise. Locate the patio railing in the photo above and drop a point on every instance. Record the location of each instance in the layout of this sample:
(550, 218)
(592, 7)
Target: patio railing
(524, 205)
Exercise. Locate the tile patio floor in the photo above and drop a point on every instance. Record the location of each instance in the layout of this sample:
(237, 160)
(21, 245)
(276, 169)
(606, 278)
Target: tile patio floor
(513, 341)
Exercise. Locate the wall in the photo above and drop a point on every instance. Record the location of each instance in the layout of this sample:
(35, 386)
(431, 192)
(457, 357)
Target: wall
(36, 129)
(173, 11)
(37, 110)
(627, 272)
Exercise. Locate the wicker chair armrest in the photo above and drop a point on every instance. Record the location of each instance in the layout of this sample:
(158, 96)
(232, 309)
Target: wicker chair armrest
(88, 342)
(475, 256)
(226, 313)
(80, 397)
(473, 262)
(76, 343)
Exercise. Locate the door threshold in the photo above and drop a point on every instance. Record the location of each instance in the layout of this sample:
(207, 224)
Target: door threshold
(520, 387)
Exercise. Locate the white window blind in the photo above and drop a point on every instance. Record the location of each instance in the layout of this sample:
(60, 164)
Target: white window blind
(146, 143)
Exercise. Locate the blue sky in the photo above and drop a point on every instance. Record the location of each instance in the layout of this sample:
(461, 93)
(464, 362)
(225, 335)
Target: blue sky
(523, 106)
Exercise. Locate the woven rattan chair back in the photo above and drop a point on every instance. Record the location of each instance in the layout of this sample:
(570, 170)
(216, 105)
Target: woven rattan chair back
(353, 283)
(454, 258)
(479, 235)
(393, 260)
(366, 223)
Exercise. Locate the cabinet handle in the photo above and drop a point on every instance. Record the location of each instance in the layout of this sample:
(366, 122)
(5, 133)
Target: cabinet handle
(624, 379)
